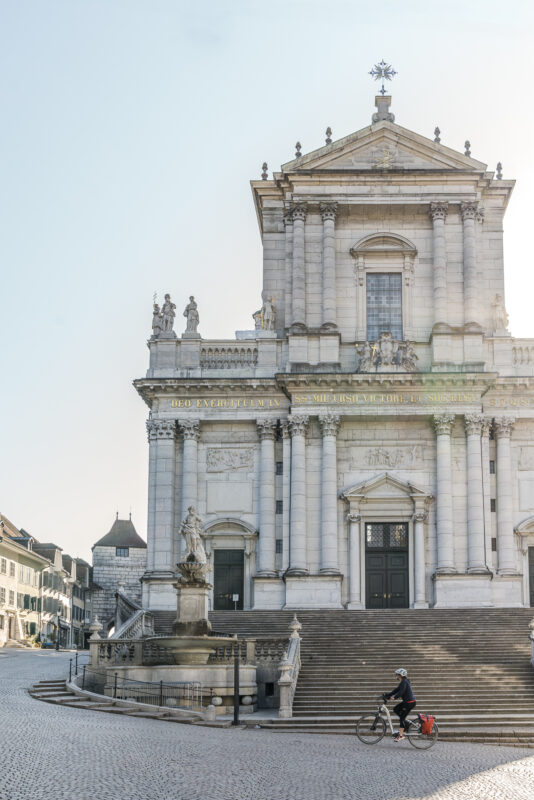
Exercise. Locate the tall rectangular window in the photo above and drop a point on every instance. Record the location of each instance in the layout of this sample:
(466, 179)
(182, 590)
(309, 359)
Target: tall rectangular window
(384, 305)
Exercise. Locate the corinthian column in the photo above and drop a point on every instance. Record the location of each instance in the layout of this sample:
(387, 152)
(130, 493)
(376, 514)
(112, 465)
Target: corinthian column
(190, 429)
(470, 214)
(438, 213)
(299, 266)
(298, 562)
(443, 424)
(329, 315)
(506, 557)
(476, 551)
(161, 469)
(288, 223)
(419, 547)
(267, 529)
(329, 557)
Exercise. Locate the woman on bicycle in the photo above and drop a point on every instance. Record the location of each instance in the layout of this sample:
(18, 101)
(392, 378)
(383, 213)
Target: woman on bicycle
(404, 693)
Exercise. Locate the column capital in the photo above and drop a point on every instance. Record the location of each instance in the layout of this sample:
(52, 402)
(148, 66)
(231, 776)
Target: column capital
(438, 211)
(298, 424)
(284, 427)
(353, 517)
(443, 423)
(288, 216)
(472, 211)
(329, 424)
(190, 428)
(473, 424)
(267, 428)
(299, 211)
(160, 429)
(328, 210)
(420, 516)
(487, 422)
(503, 427)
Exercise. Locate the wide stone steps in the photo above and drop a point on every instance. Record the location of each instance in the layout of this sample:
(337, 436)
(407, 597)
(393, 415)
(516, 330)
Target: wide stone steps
(470, 667)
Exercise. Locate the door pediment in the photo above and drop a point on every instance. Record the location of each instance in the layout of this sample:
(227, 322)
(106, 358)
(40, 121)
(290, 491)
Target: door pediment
(385, 486)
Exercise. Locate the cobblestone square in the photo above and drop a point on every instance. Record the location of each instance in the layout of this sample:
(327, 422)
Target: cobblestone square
(65, 753)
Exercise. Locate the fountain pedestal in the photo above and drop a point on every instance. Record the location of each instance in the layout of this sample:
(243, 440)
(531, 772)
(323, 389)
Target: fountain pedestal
(192, 616)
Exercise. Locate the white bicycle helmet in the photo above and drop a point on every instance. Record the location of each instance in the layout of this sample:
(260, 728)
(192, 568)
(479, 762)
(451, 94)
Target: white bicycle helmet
(401, 672)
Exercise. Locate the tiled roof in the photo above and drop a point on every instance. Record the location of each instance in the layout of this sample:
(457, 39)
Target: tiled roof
(122, 534)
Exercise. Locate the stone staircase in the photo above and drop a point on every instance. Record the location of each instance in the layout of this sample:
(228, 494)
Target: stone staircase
(469, 667)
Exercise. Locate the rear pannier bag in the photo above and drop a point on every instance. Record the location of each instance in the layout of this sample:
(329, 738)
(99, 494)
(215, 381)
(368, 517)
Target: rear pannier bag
(427, 723)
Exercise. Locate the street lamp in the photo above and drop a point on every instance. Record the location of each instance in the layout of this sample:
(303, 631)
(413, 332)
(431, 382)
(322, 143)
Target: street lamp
(58, 628)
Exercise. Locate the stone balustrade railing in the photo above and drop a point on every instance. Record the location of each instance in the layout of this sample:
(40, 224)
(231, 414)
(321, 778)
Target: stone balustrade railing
(531, 637)
(139, 625)
(228, 356)
(289, 671)
(115, 652)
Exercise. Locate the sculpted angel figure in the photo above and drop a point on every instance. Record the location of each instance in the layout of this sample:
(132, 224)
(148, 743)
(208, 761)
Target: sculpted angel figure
(191, 314)
(168, 313)
(191, 531)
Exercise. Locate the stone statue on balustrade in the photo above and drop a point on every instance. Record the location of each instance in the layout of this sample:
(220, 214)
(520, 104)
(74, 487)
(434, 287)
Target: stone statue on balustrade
(157, 321)
(500, 316)
(265, 318)
(193, 564)
(193, 319)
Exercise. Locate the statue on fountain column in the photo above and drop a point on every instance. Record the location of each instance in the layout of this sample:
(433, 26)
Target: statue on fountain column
(193, 566)
(191, 530)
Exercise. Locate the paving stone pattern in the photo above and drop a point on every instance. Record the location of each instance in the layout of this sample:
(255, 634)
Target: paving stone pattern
(69, 753)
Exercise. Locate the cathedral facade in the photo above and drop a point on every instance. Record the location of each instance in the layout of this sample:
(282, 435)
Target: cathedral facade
(370, 444)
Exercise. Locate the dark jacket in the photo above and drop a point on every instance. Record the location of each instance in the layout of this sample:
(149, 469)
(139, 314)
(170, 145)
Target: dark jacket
(403, 692)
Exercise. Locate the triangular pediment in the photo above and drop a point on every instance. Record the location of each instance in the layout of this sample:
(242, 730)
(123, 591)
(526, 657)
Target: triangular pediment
(384, 147)
(382, 486)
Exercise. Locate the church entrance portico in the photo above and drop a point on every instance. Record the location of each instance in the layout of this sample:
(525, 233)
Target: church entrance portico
(387, 565)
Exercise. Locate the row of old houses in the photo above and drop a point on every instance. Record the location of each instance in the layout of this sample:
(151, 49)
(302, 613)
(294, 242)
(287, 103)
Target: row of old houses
(48, 596)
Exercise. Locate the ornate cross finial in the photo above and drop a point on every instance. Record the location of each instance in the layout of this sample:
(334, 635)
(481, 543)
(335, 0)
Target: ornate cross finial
(382, 72)
(467, 148)
(298, 148)
(499, 171)
(436, 135)
(264, 171)
(328, 139)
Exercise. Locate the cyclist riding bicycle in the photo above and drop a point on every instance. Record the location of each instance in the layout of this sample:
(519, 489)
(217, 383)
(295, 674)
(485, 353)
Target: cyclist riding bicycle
(404, 693)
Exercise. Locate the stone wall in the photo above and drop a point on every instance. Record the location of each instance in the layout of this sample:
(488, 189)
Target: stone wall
(108, 570)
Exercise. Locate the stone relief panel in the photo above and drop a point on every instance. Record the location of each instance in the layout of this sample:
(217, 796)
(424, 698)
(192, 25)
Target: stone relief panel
(229, 459)
(392, 457)
(526, 458)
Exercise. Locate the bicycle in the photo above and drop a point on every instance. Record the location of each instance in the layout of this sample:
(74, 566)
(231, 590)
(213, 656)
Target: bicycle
(371, 728)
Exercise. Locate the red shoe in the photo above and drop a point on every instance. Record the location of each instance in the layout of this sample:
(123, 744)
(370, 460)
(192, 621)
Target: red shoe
(398, 737)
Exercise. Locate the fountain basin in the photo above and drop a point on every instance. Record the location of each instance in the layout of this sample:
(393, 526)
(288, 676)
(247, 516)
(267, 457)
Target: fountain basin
(190, 649)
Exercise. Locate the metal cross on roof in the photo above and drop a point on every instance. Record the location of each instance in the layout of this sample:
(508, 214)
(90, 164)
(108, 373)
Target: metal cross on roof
(383, 72)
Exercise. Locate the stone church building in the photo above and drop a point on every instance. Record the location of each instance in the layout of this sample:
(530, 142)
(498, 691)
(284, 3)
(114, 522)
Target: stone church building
(370, 444)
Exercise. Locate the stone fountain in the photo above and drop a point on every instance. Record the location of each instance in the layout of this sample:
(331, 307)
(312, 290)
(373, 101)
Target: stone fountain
(192, 642)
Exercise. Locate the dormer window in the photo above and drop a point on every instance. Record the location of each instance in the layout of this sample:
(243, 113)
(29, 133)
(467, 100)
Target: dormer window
(122, 552)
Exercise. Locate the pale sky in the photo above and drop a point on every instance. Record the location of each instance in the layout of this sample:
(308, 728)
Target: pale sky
(129, 132)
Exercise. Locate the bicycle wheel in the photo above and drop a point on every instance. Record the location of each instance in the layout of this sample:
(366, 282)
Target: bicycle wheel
(370, 729)
(422, 741)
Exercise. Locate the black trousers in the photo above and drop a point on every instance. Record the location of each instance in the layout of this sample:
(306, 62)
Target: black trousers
(402, 710)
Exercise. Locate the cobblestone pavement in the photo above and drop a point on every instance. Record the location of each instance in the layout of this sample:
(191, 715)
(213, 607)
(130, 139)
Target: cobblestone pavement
(60, 753)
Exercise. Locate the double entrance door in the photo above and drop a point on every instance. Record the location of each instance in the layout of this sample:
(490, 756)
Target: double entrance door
(228, 579)
(386, 565)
